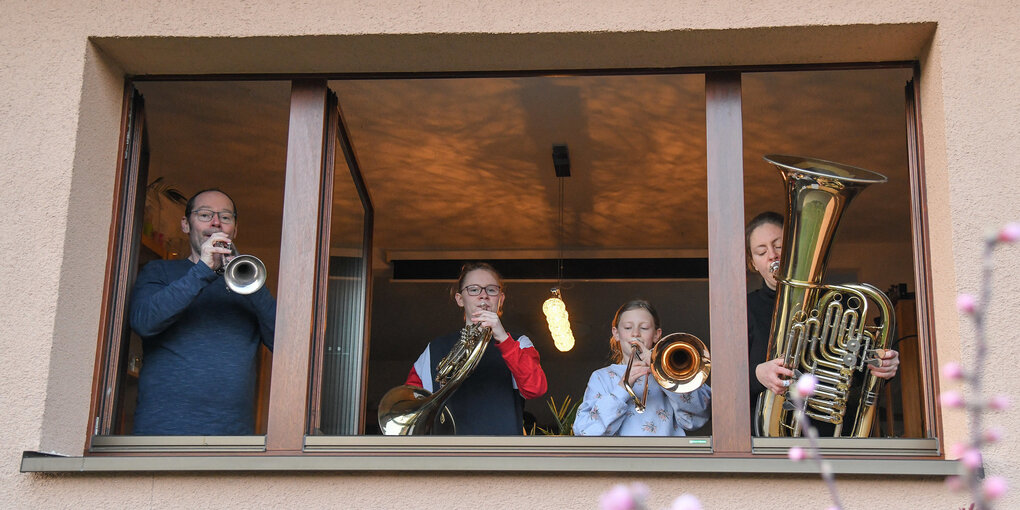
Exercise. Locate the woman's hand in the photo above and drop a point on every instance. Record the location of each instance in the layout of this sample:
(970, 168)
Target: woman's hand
(490, 319)
(888, 363)
(771, 375)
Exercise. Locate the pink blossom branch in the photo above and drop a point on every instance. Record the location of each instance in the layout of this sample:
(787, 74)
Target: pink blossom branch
(970, 455)
(804, 388)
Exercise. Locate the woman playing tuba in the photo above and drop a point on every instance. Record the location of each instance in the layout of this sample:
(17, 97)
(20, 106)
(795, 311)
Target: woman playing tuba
(764, 242)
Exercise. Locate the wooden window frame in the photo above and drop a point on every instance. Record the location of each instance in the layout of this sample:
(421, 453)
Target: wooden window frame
(301, 266)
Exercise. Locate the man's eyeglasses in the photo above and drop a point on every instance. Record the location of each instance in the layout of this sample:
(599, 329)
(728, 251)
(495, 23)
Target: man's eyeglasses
(474, 290)
(226, 217)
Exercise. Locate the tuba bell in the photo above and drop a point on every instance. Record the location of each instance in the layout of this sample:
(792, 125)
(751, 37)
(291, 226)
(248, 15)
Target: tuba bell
(409, 411)
(244, 274)
(680, 364)
(822, 329)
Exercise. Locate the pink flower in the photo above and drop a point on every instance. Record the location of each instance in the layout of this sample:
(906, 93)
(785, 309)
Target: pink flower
(806, 385)
(995, 487)
(952, 399)
(1010, 233)
(999, 402)
(640, 492)
(685, 502)
(954, 483)
(966, 303)
(957, 449)
(971, 458)
(952, 371)
(796, 454)
(993, 435)
(617, 498)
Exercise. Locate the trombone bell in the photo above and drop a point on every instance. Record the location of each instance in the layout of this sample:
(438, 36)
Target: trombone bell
(681, 363)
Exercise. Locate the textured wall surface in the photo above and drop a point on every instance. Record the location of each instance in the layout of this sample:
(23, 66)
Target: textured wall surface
(60, 102)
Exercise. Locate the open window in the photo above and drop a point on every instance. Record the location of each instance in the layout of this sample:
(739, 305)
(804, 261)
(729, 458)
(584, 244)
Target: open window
(192, 136)
(364, 201)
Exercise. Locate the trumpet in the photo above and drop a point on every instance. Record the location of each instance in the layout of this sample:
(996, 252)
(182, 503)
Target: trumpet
(244, 274)
(680, 363)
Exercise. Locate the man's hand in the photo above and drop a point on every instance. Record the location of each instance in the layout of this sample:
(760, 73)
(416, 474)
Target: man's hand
(214, 249)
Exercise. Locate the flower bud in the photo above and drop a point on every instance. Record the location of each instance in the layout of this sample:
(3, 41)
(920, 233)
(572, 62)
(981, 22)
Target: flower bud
(617, 498)
(806, 385)
(956, 449)
(796, 454)
(993, 435)
(966, 303)
(954, 483)
(971, 458)
(952, 399)
(686, 502)
(952, 371)
(1010, 233)
(999, 402)
(640, 492)
(995, 487)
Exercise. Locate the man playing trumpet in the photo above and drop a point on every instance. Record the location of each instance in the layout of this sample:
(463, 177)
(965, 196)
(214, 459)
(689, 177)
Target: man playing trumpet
(199, 340)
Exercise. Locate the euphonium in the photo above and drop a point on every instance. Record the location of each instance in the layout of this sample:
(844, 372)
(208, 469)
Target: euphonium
(409, 411)
(822, 329)
(244, 274)
(680, 364)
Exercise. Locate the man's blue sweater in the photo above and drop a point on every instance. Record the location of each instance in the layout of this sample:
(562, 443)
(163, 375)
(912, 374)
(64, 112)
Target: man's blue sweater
(200, 343)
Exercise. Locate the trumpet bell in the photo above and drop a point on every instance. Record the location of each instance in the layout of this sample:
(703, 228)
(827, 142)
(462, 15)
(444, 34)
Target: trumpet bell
(245, 274)
(680, 363)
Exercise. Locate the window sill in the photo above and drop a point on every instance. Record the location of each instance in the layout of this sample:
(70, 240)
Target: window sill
(162, 444)
(479, 454)
(873, 447)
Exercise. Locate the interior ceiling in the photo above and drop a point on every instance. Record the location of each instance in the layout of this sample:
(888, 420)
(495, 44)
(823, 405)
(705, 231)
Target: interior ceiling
(465, 164)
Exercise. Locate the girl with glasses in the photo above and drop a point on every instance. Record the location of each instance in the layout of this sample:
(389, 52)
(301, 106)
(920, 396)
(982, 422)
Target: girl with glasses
(491, 399)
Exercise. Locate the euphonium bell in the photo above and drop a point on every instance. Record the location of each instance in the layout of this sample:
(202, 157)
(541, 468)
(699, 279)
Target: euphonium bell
(409, 411)
(680, 364)
(244, 274)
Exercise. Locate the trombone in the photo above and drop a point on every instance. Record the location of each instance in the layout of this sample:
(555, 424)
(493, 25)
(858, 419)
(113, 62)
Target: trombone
(680, 364)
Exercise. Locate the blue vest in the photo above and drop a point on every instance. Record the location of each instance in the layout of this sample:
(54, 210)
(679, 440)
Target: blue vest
(486, 404)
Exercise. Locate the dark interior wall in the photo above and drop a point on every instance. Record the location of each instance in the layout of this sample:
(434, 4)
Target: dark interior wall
(407, 315)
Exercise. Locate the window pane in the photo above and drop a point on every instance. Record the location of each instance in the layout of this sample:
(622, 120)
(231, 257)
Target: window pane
(343, 345)
(462, 169)
(853, 117)
(202, 368)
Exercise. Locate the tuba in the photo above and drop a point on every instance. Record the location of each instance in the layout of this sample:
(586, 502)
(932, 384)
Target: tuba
(822, 329)
(680, 364)
(410, 411)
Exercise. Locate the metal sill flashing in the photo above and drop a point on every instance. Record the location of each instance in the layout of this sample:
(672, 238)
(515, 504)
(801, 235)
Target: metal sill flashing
(36, 462)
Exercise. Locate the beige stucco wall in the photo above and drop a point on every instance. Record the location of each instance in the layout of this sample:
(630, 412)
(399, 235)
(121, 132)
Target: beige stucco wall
(60, 100)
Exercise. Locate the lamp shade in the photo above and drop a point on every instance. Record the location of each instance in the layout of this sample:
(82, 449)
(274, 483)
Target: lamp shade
(559, 321)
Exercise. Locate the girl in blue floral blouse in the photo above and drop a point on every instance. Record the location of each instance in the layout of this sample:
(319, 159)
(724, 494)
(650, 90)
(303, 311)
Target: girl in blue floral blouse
(607, 408)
